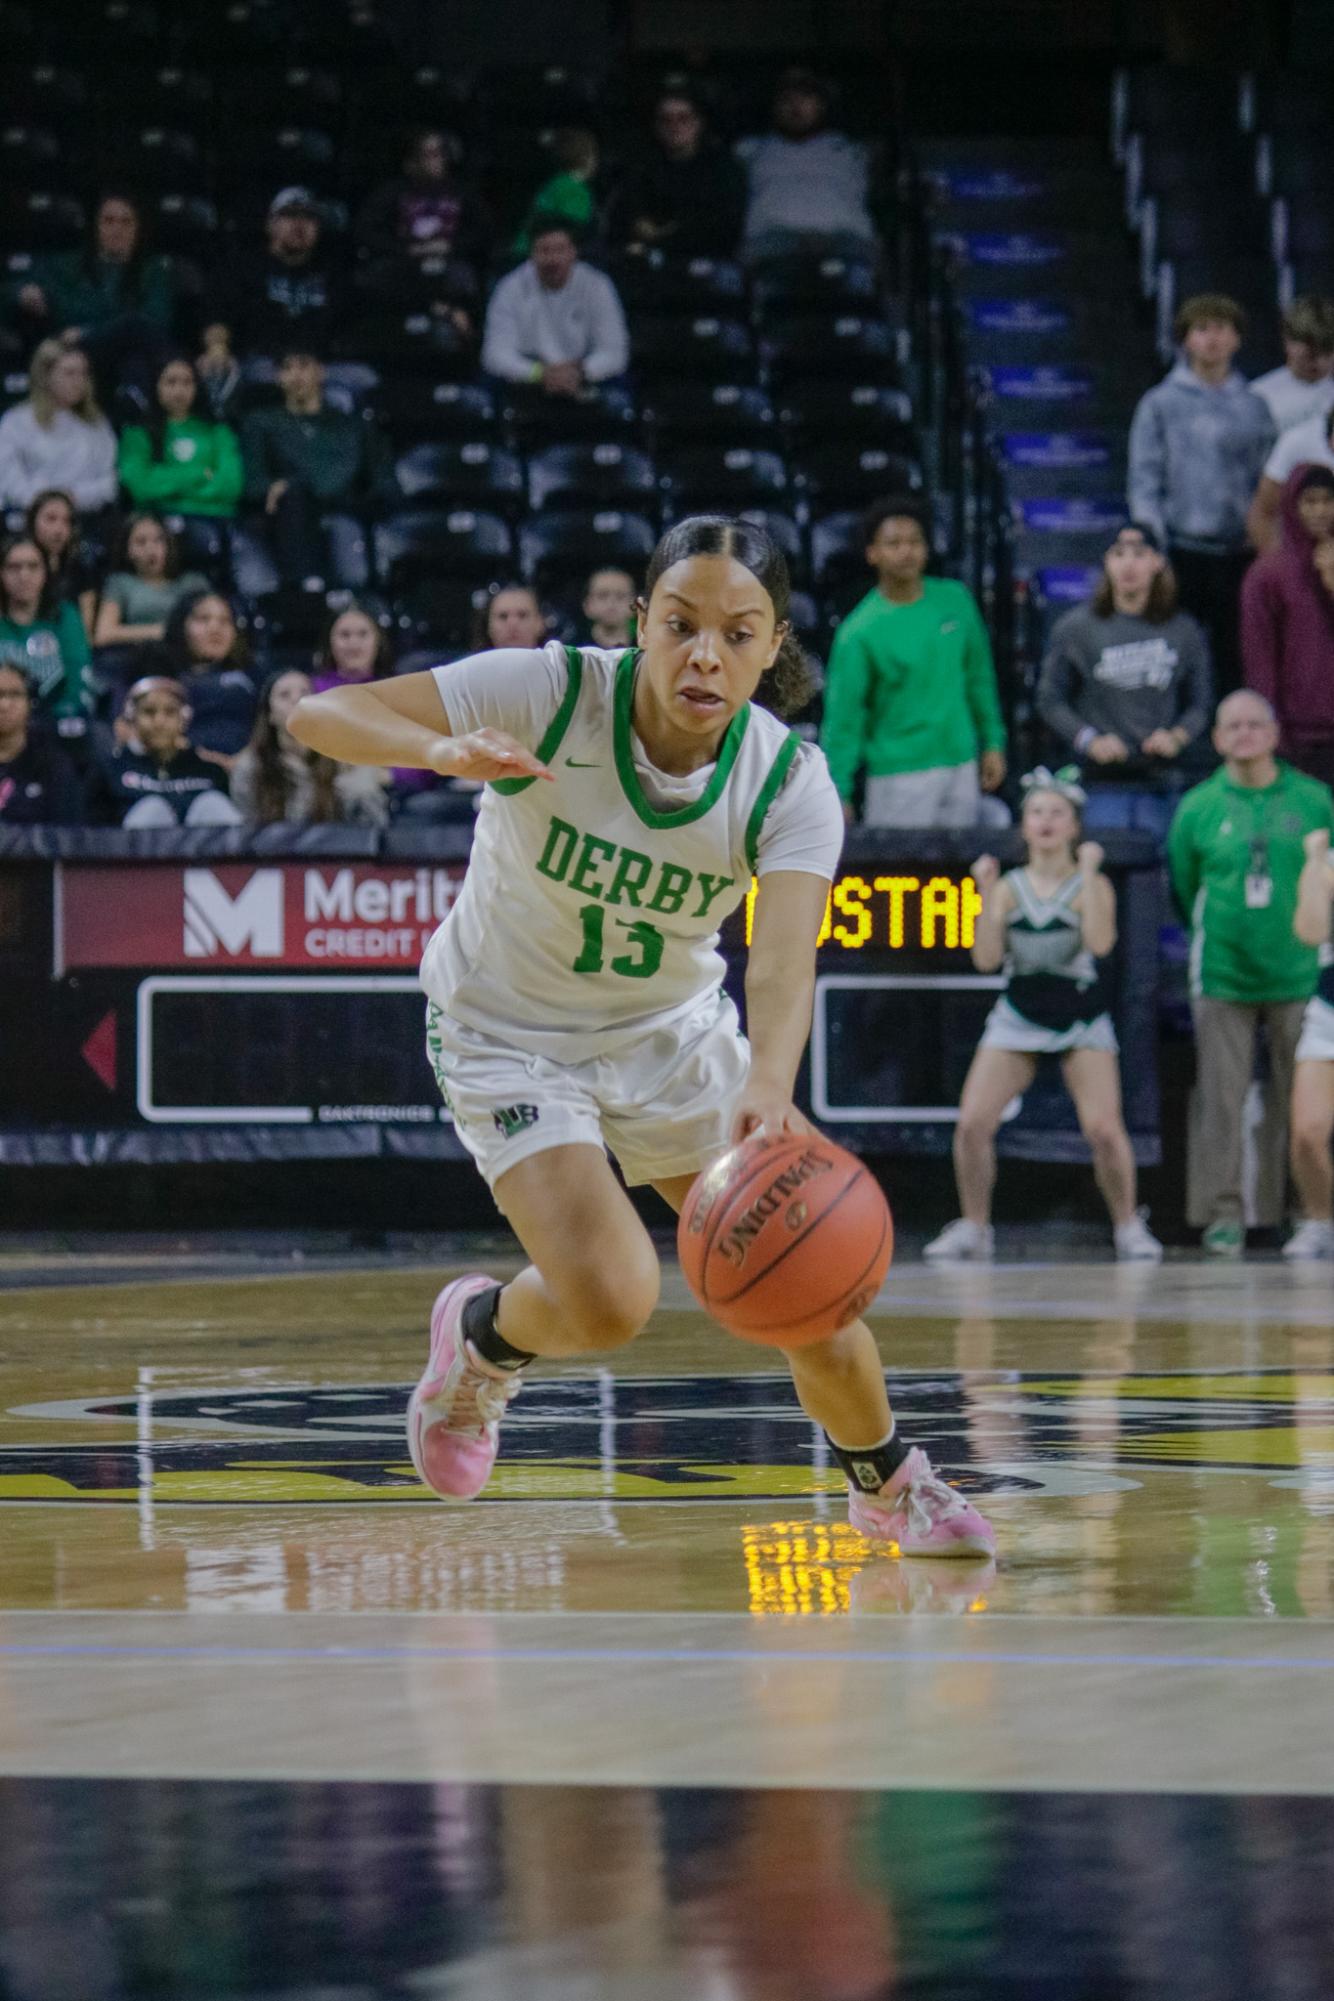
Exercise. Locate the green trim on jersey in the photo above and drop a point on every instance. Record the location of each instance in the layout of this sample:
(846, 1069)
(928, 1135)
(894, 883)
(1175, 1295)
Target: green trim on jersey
(622, 723)
(555, 729)
(768, 792)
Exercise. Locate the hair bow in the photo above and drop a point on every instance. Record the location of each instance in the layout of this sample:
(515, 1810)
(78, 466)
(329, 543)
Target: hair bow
(1065, 782)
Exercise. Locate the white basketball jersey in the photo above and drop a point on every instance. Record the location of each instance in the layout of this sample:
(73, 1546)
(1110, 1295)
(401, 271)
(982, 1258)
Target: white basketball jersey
(590, 915)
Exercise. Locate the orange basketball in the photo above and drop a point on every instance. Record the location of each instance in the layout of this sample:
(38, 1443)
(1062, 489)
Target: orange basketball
(785, 1240)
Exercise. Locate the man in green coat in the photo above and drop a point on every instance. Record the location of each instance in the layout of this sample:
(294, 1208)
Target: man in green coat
(1235, 852)
(911, 689)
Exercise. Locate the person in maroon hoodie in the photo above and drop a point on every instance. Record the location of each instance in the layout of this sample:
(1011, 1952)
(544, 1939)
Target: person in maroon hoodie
(1287, 623)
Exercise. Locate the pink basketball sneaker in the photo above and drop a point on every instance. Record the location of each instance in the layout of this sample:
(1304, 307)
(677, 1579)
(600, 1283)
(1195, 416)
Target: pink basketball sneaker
(455, 1411)
(923, 1515)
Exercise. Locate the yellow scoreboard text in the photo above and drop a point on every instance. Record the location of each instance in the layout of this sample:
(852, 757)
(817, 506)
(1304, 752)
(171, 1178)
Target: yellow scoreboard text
(895, 913)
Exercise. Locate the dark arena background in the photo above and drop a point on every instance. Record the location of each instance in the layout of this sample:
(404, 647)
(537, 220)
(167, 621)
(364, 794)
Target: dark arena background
(1016, 281)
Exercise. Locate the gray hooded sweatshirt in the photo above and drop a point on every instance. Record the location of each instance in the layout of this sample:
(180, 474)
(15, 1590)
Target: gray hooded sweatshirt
(1196, 452)
(1124, 676)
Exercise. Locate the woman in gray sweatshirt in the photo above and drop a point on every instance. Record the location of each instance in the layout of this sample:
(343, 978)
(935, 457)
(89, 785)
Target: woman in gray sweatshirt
(1126, 687)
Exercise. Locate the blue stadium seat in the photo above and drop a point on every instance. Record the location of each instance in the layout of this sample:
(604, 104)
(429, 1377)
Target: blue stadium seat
(733, 413)
(462, 543)
(653, 281)
(851, 348)
(842, 475)
(562, 548)
(720, 479)
(705, 348)
(477, 473)
(825, 285)
(412, 410)
(813, 411)
(609, 474)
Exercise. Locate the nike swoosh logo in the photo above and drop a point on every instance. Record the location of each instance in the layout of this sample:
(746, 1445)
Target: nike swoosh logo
(582, 763)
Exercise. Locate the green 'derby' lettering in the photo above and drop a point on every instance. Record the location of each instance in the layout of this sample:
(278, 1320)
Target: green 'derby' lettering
(581, 862)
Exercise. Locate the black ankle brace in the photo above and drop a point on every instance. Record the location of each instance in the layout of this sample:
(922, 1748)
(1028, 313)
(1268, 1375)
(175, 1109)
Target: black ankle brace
(873, 1465)
(479, 1327)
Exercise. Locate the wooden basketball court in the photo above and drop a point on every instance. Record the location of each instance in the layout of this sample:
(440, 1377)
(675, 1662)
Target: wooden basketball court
(650, 1718)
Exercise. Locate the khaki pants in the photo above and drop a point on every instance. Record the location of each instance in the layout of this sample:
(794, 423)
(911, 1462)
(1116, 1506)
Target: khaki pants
(1225, 1034)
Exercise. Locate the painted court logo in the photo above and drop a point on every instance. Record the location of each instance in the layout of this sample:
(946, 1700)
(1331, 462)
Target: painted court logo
(511, 1119)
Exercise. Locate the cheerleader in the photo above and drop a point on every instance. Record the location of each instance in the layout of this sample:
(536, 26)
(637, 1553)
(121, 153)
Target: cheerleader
(1047, 924)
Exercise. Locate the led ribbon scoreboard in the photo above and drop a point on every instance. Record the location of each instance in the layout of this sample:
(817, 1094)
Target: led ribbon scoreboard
(205, 1002)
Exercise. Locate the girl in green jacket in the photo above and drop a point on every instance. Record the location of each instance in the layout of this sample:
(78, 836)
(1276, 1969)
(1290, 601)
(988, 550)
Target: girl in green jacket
(179, 463)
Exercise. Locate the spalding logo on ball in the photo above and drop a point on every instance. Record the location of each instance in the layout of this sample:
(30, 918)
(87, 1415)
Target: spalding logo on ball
(785, 1240)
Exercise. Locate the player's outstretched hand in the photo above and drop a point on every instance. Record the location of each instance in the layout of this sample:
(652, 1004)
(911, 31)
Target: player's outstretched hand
(985, 871)
(768, 1112)
(485, 754)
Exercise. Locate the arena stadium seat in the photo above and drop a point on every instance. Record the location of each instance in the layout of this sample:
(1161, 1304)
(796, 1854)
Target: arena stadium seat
(651, 281)
(562, 548)
(704, 348)
(182, 225)
(42, 94)
(411, 410)
(461, 543)
(477, 473)
(292, 155)
(438, 614)
(841, 475)
(609, 474)
(32, 156)
(33, 219)
(838, 554)
(813, 411)
(707, 479)
(534, 419)
(404, 344)
(785, 530)
(730, 412)
(853, 347)
(828, 285)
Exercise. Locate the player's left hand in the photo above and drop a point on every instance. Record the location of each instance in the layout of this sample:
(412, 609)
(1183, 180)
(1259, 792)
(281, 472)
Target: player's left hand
(768, 1111)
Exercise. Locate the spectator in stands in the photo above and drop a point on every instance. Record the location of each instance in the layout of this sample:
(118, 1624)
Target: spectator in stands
(1198, 444)
(277, 778)
(58, 437)
(111, 296)
(305, 460)
(37, 782)
(808, 187)
(157, 778)
(688, 195)
(423, 217)
(203, 650)
(910, 691)
(512, 615)
(145, 585)
(52, 521)
(1310, 443)
(41, 636)
(290, 292)
(568, 193)
(1235, 853)
(555, 323)
(355, 648)
(1126, 687)
(180, 461)
(609, 606)
(1287, 623)
(1304, 386)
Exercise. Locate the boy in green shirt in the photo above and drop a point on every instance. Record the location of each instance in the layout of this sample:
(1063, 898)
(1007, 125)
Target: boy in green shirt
(1235, 853)
(911, 689)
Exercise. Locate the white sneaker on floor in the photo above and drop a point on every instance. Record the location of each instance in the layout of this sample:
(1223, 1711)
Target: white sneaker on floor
(1310, 1241)
(962, 1242)
(1135, 1241)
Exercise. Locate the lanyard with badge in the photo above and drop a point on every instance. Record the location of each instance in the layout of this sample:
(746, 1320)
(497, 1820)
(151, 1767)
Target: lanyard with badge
(1259, 880)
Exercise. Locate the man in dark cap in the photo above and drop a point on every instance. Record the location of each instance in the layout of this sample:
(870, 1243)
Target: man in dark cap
(292, 290)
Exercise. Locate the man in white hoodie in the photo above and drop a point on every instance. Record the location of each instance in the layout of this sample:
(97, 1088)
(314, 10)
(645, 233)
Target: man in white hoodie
(1198, 444)
(555, 324)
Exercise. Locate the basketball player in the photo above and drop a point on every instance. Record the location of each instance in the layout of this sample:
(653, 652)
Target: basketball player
(1313, 1072)
(1047, 923)
(575, 995)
